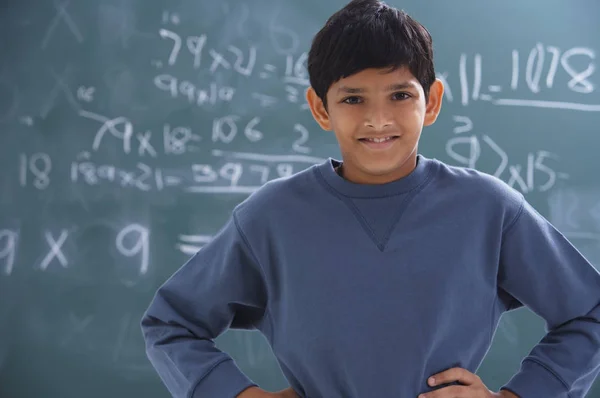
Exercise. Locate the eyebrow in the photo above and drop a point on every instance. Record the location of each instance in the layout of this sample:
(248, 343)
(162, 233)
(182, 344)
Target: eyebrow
(391, 87)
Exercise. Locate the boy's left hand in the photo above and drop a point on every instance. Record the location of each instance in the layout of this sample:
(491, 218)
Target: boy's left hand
(472, 386)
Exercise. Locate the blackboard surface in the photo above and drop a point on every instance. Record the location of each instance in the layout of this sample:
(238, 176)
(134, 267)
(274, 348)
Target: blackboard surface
(130, 129)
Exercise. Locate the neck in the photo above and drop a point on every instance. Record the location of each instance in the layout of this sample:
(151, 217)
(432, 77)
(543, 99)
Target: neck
(357, 176)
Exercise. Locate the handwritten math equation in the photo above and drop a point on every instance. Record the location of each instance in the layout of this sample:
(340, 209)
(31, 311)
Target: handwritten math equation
(131, 242)
(197, 69)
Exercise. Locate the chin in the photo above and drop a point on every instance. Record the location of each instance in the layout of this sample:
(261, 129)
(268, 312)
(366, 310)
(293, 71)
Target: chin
(384, 163)
(381, 170)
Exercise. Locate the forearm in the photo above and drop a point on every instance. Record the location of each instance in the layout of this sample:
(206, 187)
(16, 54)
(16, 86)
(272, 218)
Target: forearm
(566, 360)
(190, 366)
(506, 394)
(541, 269)
(255, 392)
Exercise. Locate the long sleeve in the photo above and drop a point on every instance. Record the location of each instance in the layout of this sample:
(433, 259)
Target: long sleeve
(542, 270)
(220, 287)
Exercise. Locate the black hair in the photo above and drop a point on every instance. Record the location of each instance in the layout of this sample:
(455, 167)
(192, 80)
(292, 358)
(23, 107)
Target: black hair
(369, 34)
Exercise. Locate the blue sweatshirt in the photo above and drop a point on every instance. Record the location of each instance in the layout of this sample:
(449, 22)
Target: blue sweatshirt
(364, 291)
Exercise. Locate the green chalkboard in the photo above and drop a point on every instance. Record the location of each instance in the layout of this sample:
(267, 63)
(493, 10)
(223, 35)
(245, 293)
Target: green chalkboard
(130, 129)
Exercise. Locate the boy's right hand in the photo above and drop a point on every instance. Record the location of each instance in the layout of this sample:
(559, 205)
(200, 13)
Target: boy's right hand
(255, 392)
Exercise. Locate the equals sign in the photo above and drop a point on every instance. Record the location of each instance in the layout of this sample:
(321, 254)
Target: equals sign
(191, 244)
(492, 89)
(270, 69)
(162, 181)
(265, 100)
(172, 181)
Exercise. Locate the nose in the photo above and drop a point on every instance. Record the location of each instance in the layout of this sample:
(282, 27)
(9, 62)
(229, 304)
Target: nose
(378, 118)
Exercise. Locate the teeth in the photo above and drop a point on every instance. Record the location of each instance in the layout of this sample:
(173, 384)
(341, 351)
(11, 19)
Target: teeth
(379, 139)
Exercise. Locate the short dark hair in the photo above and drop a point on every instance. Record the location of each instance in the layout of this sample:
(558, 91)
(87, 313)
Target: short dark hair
(369, 34)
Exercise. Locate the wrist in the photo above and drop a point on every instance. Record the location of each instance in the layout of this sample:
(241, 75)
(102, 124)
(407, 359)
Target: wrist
(506, 394)
(252, 392)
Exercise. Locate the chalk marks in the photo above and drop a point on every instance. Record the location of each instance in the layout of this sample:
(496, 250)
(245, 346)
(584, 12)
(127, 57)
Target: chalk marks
(62, 15)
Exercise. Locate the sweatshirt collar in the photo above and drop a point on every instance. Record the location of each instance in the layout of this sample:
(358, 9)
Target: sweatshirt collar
(420, 173)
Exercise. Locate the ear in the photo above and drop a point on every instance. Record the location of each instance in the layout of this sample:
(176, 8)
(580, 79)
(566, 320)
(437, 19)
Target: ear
(434, 105)
(317, 108)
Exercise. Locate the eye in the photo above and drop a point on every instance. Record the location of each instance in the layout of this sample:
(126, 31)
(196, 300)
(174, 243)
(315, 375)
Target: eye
(401, 96)
(352, 100)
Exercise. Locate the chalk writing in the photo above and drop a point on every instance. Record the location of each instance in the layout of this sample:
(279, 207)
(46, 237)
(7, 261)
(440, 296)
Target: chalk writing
(524, 179)
(142, 177)
(121, 128)
(55, 249)
(176, 139)
(193, 94)
(180, 139)
(543, 65)
(232, 58)
(575, 210)
(8, 244)
(132, 241)
(38, 166)
(86, 94)
(191, 244)
(76, 326)
(60, 85)
(62, 15)
(225, 129)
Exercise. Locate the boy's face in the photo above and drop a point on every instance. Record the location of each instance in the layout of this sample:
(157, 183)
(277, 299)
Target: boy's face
(376, 104)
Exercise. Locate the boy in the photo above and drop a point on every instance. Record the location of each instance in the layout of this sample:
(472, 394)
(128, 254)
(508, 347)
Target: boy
(371, 274)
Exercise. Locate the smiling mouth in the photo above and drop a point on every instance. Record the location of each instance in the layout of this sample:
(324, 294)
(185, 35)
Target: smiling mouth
(379, 143)
(379, 140)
